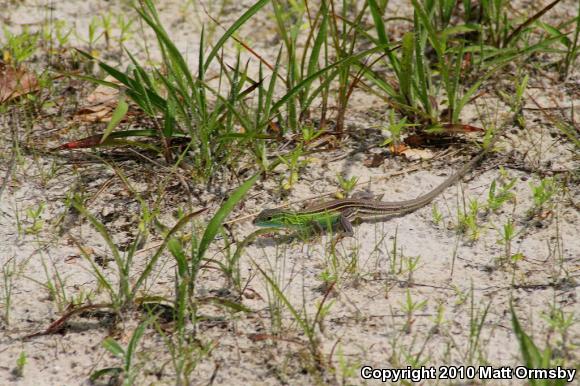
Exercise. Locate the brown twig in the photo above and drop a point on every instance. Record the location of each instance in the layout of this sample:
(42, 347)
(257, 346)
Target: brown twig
(529, 21)
(58, 324)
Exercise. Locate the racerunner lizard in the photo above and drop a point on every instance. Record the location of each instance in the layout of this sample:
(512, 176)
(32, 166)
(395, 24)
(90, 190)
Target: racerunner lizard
(340, 214)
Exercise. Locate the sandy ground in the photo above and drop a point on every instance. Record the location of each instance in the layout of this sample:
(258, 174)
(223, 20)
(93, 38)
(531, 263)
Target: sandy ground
(453, 281)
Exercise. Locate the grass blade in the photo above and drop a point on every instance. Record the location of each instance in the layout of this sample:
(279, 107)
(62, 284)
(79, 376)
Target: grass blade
(237, 24)
(382, 34)
(116, 118)
(407, 67)
(217, 220)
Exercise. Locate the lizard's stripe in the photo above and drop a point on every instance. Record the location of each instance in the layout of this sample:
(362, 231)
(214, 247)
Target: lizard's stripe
(387, 208)
(329, 213)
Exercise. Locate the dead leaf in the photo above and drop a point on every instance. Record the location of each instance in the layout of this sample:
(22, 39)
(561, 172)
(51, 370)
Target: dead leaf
(251, 294)
(275, 127)
(99, 105)
(466, 64)
(87, 142)
(397, 149)
(417, 154)
(459, 128)
(324, 140)
(374, 161)
(15, 82)
(428, 140)
(415, 140)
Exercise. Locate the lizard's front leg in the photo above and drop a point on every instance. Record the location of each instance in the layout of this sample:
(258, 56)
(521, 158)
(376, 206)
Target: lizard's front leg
(344, 224)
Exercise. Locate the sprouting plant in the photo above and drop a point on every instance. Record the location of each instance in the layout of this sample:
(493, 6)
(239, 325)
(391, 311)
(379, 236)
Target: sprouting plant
(9, 273)
(124, 26)
(107, 27)
(128, 370)
(19, 47)
(560, 322)
(20, 363)
(310, 133)
(92, 34)
(515, 100)
(327, 277)
(436, 214)
(346, 184)
(520, 89)
(507, 234)
(34, 215)
(346, 367)
(395, 256)
(462, 296)
(439, 317)
(82, 297)
(55, 285)
(57, 29)
(558, 319)
(396, 128)
(411, 265)
(293, 163)
(542, 193)
(467, 221)
(411, 307)
(477, 317)
(62, 34)
(497, 197)
(306, 322)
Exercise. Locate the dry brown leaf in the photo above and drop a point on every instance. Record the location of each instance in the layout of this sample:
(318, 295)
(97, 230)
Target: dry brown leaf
(427, 140)
(415, 154)
(374, 161)
(15, 82)
(459, 128)
(275, 127)
(99, 105)
(397, 149)
(325, 140)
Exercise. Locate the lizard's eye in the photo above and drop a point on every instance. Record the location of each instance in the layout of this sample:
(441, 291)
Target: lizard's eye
(265, 215)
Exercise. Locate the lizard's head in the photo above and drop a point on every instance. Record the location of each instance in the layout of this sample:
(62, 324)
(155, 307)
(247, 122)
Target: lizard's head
(272, 218)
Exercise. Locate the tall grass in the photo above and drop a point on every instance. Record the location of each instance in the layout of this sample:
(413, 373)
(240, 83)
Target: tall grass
(438, 68)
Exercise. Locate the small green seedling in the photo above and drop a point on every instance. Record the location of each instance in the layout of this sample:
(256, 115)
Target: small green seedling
(294, 163)
(346, 184)
(396, 128)
(124, 26)
(439, 317)
(477, 317)
(8, 273)
(412, 264)
(310, 133)
(128, 370)
(34, 214)
(347, 368)
(410, 307)
(507, 234)
(19, 48)
(20, 363)
(497, 197)
(467, 221)
(437, 215)
(559, 320)
(542, 193)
